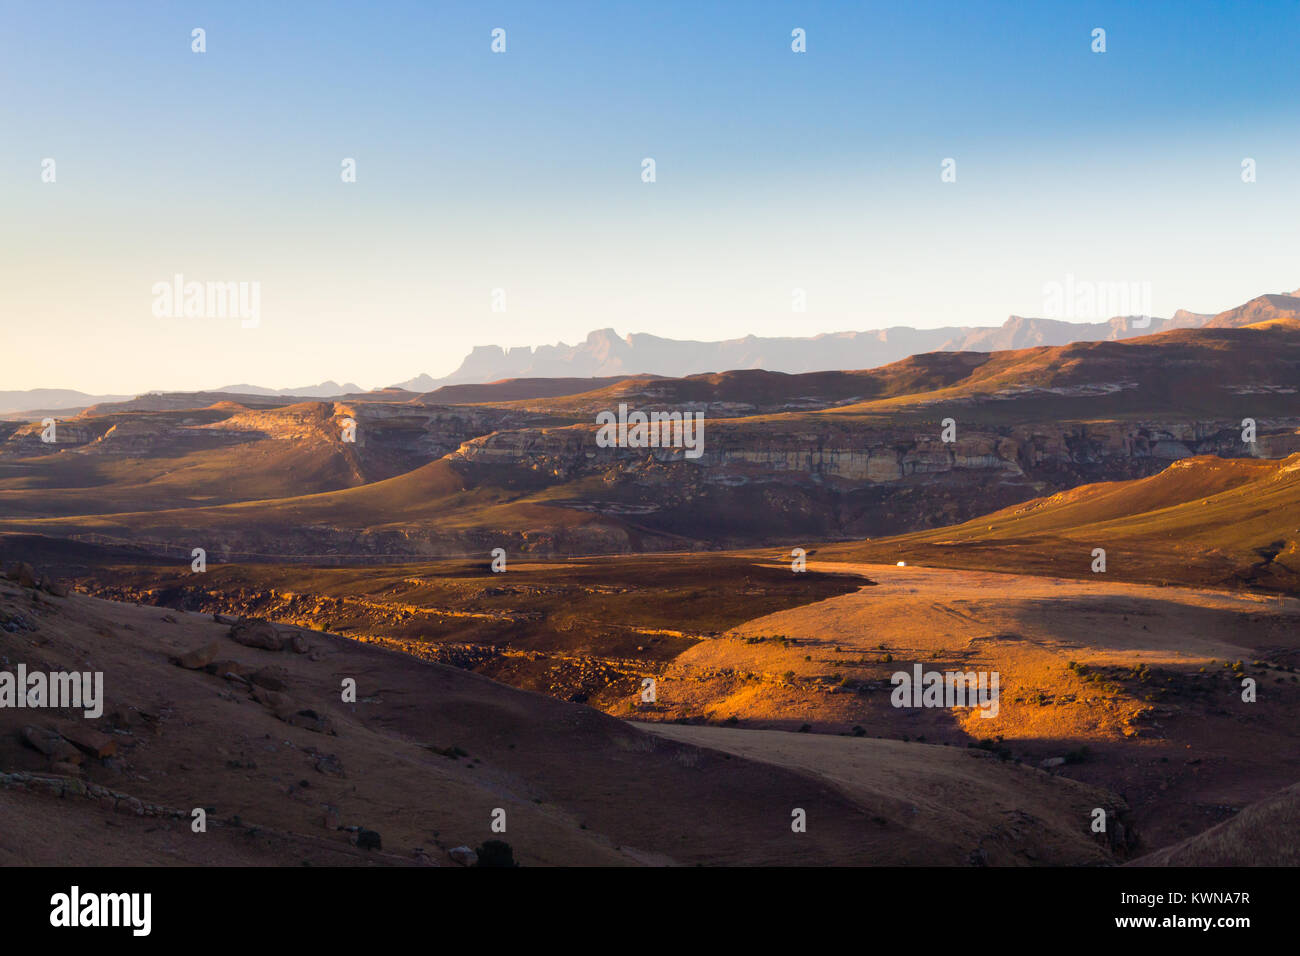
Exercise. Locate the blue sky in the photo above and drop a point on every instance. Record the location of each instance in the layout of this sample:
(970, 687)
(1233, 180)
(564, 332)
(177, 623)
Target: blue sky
(521, 171)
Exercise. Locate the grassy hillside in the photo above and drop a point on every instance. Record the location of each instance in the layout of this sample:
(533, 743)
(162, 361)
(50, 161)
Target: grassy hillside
(1203, 520)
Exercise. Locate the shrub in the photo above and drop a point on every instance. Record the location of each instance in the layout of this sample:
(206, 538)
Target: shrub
(1078, 756)
(496, 853)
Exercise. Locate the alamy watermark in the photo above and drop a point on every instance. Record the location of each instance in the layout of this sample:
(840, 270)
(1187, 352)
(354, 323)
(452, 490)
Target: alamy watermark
(1083, 300)
(179, 299)
(946, 689)
(82, 690)
(638, 429)
(75, 908)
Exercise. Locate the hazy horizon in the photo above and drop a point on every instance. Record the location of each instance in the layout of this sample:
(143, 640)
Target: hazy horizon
(229, 383)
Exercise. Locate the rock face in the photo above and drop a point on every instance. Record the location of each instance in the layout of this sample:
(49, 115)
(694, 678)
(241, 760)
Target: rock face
(827, 455)
(759, 478)
(762, 451)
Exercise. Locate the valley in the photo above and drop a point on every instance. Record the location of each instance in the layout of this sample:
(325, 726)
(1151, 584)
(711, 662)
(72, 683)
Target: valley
(509, 588)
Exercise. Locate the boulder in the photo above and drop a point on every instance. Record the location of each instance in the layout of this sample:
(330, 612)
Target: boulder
(52, 744)
(293, 713)
(257, 633)
(329, 764)
(199, 657)
(1051, 762)
(309, 719)
(226, 668)
(91, 742)
(272, 678)
(57, 588)
(463, 855)
(274, 700)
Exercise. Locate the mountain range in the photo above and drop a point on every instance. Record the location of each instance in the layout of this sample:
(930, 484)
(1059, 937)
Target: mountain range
(605, 353)
(327, 389)
(34, 402)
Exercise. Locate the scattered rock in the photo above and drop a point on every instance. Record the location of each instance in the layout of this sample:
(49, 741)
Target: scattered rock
(52, 744)
(226, 669)
(329, 764)
(274, 700)
(272, 678)
(91, 742)
(463, 855)
(13, 623)
(292, 713)
(199, 657)
(257, 633)
(310, 720)
(123, 718)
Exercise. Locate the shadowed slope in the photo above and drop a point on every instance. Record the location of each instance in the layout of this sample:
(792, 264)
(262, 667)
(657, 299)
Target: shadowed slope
(425, 757)
(1262, 834)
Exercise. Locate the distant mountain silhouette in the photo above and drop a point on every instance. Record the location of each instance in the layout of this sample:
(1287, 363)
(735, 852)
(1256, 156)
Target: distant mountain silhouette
(49, 398)
(329, 389)
(1264, 308)
(35, 401)
(605, 353)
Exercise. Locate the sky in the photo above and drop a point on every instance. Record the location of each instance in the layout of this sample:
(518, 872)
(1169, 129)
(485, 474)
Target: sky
(522, 171)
